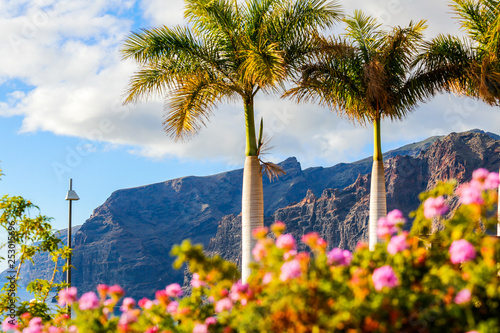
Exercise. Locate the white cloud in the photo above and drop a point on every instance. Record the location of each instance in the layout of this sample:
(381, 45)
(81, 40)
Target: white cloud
(69, 52)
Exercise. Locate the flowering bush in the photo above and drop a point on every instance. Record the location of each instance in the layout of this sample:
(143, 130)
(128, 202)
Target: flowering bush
(447, 281)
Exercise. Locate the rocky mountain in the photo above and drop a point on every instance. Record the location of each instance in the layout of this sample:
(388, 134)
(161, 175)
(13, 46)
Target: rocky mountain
(127, 240)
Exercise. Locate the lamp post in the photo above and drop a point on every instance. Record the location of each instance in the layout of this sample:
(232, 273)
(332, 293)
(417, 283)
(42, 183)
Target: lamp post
(70, 196)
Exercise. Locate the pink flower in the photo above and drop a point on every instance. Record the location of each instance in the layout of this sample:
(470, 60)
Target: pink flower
(480, 174)
(172, 307)
(116, 290)
(127, 317)
(34, 326)
(144, 302)
(236, 290)
(200, 328)
(210, 321)
(9, 324)
(397, 244)
(268, 277)
(196, 282)
(290, 270)
(463, 296)
(259, 251)
(223, 305)
(174, 290)
(396, 218)
(385, 228)
(127, 304)
(461, 251)
(53, 329)
(435, 207)
(67, 296)
(470, 193)
(88, 301)
(339, 257)
(473, 332)
(102, 289)
(286, 242)
(73, 329)
(492, 181)
(384, 277)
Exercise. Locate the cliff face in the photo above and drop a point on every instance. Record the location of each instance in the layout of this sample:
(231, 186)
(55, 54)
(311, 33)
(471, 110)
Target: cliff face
(127, 240)
(340, 216)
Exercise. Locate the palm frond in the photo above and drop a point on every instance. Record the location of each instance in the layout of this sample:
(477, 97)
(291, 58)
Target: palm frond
(365, 32)
(191, 104)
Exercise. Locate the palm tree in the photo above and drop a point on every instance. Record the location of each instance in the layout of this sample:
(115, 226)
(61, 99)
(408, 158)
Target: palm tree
(469, 67)
(228, 52)
(367, 77)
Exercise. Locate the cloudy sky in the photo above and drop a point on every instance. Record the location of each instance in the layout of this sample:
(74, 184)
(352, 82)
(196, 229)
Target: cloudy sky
(61, 116)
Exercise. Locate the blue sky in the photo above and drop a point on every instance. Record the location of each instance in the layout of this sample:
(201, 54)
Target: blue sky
(61, 87)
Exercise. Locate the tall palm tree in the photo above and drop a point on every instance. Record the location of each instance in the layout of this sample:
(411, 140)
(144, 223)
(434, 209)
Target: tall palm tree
(471, 66)
(367, 77)
(228, 52)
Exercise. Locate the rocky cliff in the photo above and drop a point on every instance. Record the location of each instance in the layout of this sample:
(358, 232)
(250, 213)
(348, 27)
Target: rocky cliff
(127, 240)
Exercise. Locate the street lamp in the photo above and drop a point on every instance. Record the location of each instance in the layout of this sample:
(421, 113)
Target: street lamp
(70, 196)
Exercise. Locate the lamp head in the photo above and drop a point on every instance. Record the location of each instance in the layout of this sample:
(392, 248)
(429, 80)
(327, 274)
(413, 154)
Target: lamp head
(71, 195)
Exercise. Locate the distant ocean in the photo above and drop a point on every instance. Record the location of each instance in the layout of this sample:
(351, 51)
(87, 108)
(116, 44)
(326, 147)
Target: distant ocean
(24, 295)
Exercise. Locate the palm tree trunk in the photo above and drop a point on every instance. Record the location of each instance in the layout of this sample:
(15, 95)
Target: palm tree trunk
(498, 214)
(252, 204)
(378, 206)
(252, 211)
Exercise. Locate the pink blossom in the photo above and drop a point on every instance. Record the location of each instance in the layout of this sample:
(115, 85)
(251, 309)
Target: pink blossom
(73, 329)
(102, 289)
(384, 228)
(268, 277)
(286, 242)
(237, 289)
(127, 304)
(470, 193)
(116, 290)
(161, 295)
(492, 181)
(34, 326)
(67, 296)
(278, 227)
(53, 329)
(435, 207)
(289, 254)
(398, 243)
(463, 296)
(210, 321)
(174, 290)
(196, 282)
(172, 307)
(339, 257)
(223, 304)
(200, 328)
(384, 277)
(259, 251)
(290, 270)
(143, 301)
(472, 332)
(396, 218)
(480, 174)
(88, 301)
(9, 324)
(461, 251)
(127, 317)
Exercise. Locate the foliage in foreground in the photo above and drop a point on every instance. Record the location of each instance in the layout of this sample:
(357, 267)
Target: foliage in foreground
(28, 234)
(445, 282)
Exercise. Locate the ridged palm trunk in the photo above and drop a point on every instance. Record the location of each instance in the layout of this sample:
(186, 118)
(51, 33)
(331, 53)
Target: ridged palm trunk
(378, 205)
(252, 210)
(252, 203)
